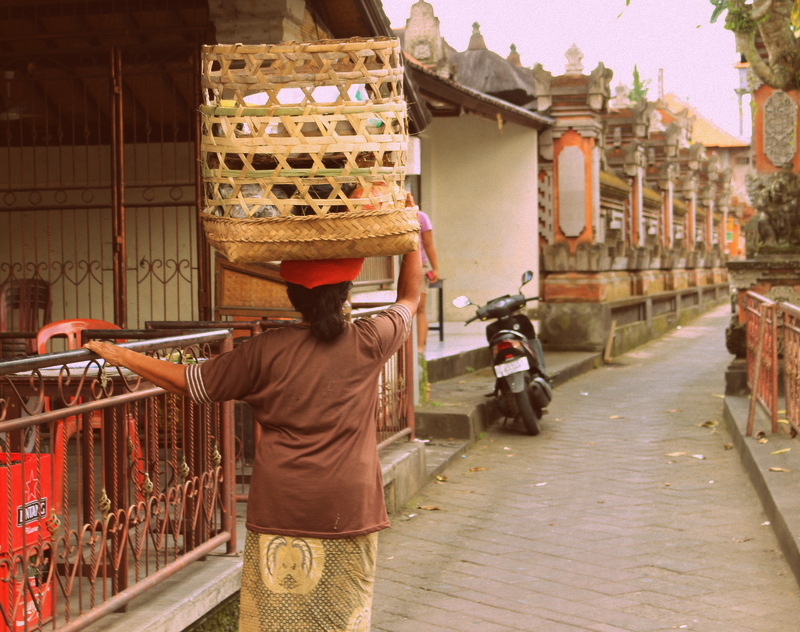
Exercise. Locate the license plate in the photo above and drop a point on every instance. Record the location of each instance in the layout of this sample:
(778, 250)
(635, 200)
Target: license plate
(515, 366)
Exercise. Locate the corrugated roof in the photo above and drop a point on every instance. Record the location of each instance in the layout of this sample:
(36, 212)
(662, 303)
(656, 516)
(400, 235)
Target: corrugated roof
(703, 131)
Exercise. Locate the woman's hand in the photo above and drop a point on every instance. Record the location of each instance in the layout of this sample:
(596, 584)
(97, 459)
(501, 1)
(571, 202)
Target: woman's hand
(167, 375)
(110, 352)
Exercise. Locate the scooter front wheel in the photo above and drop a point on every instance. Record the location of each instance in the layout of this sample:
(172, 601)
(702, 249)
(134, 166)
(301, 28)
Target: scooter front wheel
(529, 417)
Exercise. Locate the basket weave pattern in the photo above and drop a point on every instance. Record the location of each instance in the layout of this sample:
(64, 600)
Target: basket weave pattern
(304, 149)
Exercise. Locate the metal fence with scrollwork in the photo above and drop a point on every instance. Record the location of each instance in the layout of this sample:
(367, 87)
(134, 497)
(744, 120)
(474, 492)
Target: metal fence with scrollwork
(114, 484)
(762, 318)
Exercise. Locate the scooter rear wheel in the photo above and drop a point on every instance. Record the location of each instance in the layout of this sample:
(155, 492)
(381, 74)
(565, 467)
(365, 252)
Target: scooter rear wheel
(529, 417)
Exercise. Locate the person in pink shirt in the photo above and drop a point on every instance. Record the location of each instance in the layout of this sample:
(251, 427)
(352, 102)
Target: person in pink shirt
(430, 274)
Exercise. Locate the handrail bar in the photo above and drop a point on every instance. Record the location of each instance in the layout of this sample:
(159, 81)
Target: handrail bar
(30, 363)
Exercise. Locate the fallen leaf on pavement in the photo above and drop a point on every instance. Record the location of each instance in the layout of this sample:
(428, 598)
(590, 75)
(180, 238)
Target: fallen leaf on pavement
(674, 410)
(667, 484)
(763, 440)
(675, 453)
(430, 507)
(783, 421)
(720, 396)
(540, 484)
(740, 540)
(728, 446)
(779, 469)
(477, 469)
(781, 451)
(709, 424)
(698, 456)
(441, 479)
(616, 417)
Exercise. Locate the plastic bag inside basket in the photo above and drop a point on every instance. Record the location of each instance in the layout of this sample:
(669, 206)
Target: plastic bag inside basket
(262, 198)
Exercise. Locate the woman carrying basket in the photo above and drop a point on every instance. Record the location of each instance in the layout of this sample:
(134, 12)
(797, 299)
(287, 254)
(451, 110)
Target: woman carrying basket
(316, 496)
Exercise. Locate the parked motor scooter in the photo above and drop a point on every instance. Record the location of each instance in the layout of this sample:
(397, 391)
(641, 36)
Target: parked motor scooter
(522, 387)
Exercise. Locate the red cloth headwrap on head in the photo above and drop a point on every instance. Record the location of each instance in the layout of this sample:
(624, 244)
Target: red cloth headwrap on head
(316, 272)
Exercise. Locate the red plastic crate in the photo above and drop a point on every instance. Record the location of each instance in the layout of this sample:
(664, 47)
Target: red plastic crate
(31, 499)
(31, 503)
(22, 609)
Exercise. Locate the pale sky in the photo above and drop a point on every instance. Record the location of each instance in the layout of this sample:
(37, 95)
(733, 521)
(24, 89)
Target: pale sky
(697, 57)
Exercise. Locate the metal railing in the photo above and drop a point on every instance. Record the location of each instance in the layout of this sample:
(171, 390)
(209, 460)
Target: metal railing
(113, 484)
(761, 318)
(791, 362)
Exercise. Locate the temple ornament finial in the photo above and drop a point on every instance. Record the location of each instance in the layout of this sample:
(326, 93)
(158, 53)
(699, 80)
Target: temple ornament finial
(574, 60)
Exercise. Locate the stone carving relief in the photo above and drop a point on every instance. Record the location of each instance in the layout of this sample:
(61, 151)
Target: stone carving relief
(621, 98)
(667, 173)
(423, 34)
(656, 123)
(574, 64)
(643, 112)
(697, 154)
(783, 294)
(542, 78)
(776, 197)
(714, 166)
(600, 87)
(547, 227)
(676, 138)
(780, 128)
(634, 156)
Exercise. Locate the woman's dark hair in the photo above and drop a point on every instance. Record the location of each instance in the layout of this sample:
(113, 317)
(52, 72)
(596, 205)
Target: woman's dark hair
(321, 307)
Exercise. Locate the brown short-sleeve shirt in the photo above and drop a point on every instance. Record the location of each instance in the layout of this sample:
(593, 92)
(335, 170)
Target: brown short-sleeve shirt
(316, 471)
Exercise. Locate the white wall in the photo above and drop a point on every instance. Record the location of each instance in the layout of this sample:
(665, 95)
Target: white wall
(479, 186)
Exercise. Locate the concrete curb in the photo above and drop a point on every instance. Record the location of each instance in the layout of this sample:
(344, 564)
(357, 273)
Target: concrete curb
(574, 370)
(777, 489)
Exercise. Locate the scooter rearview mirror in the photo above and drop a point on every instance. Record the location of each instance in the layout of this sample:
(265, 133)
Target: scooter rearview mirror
(461, 301)
(526, 277)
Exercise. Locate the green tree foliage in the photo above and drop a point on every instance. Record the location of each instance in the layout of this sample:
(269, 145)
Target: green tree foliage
(639, 89)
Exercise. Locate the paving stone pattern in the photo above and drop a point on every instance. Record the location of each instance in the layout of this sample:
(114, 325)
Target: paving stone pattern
(593, 525)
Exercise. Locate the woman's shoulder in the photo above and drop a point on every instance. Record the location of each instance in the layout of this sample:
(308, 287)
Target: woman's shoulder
(397, 314)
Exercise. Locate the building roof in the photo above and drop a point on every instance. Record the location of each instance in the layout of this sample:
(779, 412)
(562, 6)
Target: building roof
(703, 130)
(436, 87)
(489, 73)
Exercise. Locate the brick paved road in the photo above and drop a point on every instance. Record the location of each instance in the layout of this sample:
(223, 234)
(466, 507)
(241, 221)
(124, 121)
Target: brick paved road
(592, 525)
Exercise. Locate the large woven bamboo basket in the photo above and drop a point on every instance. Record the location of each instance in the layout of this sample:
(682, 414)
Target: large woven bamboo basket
(304, 149)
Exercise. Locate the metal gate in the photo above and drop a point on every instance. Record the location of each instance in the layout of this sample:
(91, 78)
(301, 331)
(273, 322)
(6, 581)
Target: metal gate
(99, 185)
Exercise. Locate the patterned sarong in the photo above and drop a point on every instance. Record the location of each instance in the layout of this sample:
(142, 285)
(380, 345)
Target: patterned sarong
(296, 584)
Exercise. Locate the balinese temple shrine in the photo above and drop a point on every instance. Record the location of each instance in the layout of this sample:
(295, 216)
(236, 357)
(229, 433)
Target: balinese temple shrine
(641, 203)
(635, 234)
